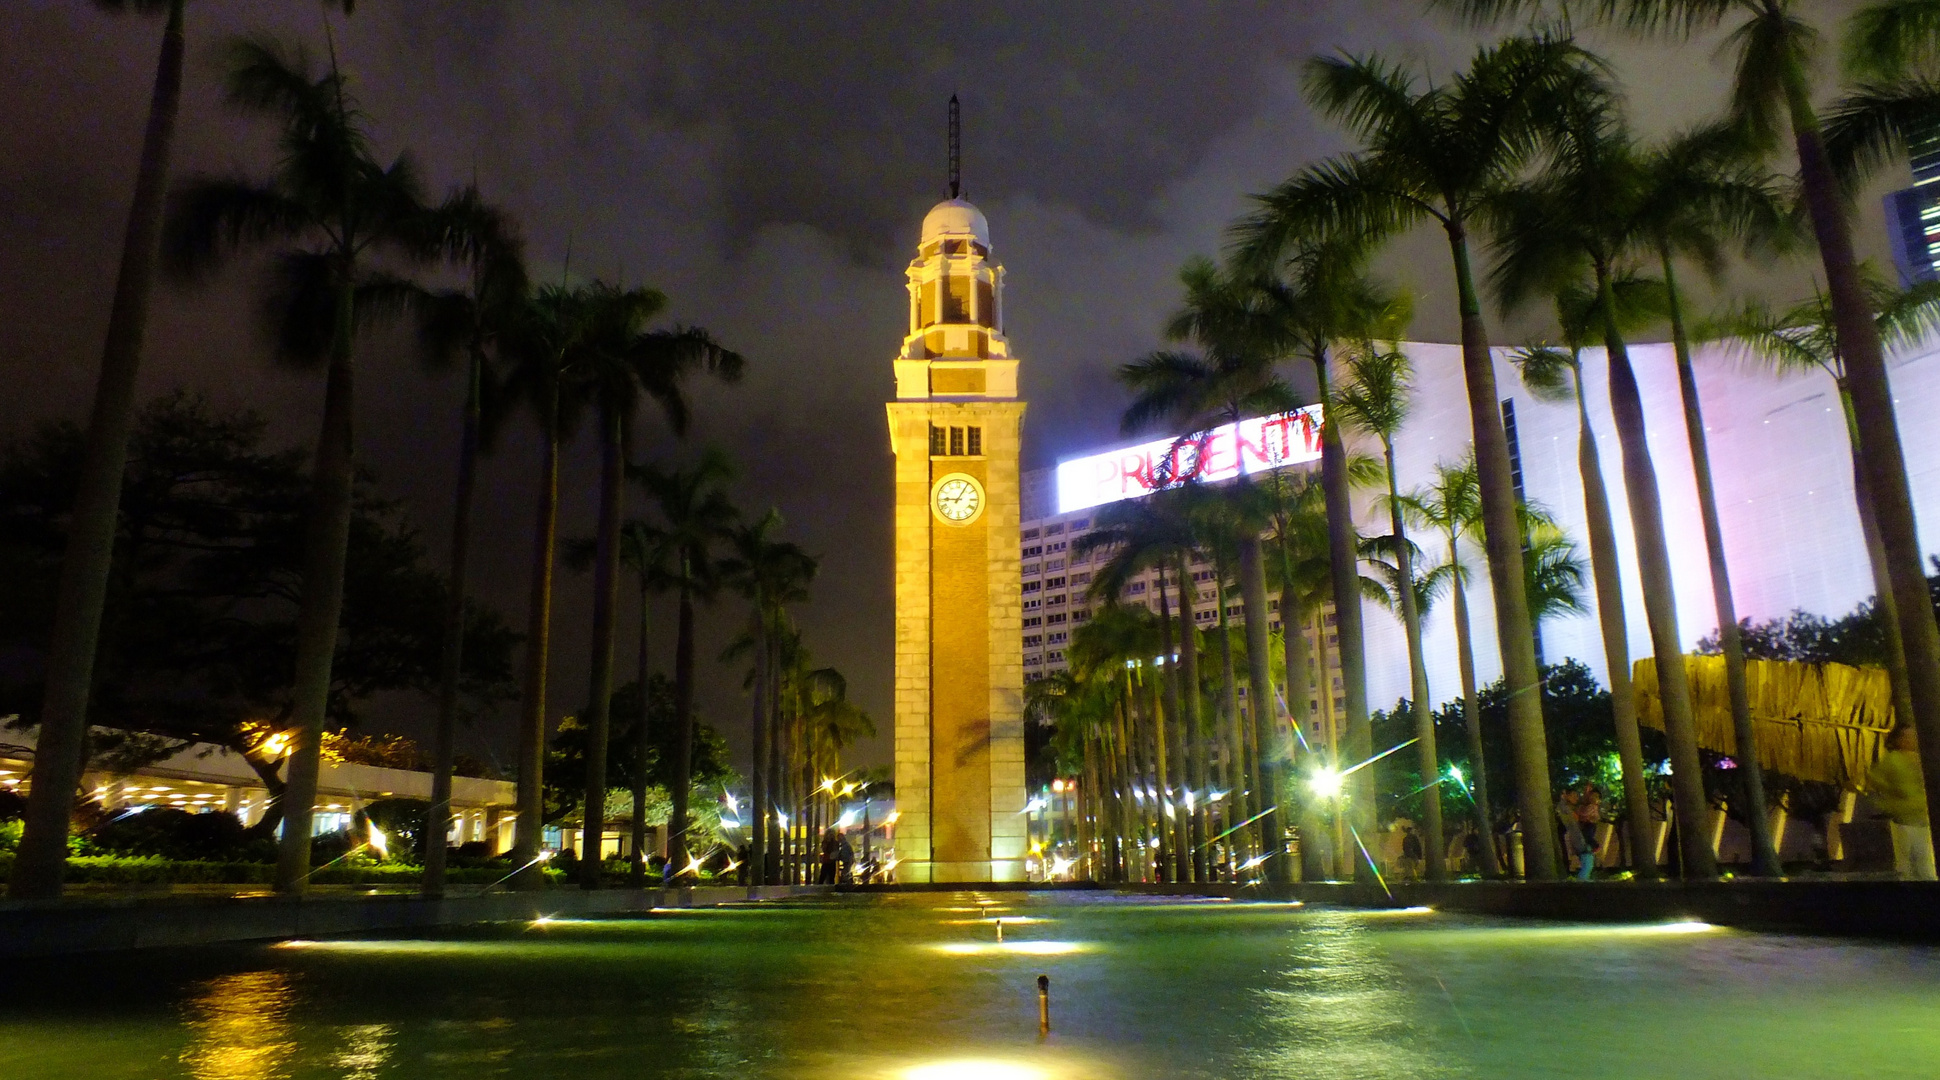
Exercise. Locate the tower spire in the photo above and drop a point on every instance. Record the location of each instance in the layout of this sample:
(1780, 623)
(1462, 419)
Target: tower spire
(956, 149)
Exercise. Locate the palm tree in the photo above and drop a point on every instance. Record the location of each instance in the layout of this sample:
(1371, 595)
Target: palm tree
(1441, 154)
(1802, 339)
(83, 590)
(1556, 574)
(1696, 193)
(1147, 534)
(772, 574)
(616, 361)
(645, 551)
(697, 515)
(465, 323)
(1775, 47)
(1452, 506)
(1319, 294)
(337, 205)
(1555, 374)
(542, 335)
(1104, 653)
(1233, 379)
(1302, 571)
(1375, 402)
(1571, 224)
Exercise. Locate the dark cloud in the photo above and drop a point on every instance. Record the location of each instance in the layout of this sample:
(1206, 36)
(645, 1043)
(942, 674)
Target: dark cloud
(764, 164)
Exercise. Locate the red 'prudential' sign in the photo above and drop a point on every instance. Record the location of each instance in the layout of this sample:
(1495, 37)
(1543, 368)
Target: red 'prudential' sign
(1250, 446)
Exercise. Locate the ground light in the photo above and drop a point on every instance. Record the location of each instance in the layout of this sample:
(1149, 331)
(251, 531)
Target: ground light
(1015, 948)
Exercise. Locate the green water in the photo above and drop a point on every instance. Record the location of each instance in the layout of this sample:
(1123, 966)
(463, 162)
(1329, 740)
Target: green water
(916, 988)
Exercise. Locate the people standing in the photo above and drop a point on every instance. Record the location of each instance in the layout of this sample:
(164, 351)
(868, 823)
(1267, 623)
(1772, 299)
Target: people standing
(1589, 815)
(1896, 787)
(1574, 846)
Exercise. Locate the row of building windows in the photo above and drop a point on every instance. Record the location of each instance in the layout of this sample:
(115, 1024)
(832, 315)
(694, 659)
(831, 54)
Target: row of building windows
(955, 441)
(1056, 528)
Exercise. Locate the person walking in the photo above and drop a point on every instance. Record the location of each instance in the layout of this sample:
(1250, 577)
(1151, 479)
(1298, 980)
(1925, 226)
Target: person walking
(1896, 787)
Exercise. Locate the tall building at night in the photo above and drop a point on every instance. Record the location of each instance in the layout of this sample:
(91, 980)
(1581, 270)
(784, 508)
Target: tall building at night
(1061, 506)
(955, 428)
(1913, 214)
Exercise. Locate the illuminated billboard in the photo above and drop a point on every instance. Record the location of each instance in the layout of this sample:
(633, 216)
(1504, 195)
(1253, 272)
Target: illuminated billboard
(1250, 446)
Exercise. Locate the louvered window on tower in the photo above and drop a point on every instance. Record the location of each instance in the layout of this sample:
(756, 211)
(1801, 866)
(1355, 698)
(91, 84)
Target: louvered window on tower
(976, 442)
(956, 442)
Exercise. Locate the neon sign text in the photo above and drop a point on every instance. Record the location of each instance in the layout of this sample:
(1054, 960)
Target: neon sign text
(1250, 446)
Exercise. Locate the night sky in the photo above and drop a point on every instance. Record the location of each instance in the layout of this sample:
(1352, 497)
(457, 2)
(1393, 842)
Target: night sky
(766, 166)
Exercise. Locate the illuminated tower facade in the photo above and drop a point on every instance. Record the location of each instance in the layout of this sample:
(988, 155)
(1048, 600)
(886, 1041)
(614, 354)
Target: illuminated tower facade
(955, 428)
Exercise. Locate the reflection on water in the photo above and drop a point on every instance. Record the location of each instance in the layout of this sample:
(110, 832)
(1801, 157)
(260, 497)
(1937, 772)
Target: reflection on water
(1342, 1009)
(366, 1049)
(897, 988)
(240, 1027)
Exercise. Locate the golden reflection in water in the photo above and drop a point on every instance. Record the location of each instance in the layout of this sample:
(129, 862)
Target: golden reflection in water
(241, 1028)
(364, 1049)
(1343, 1009)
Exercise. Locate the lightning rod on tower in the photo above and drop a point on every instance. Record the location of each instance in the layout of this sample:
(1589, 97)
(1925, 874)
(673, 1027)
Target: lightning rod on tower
(956, 149)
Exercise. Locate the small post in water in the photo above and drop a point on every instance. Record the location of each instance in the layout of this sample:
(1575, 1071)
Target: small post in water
(1000, 931)
(1043, 1004)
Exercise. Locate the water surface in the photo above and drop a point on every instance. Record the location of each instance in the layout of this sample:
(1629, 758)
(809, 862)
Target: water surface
(916, 987)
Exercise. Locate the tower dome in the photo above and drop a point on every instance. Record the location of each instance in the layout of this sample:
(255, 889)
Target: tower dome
(956, 217)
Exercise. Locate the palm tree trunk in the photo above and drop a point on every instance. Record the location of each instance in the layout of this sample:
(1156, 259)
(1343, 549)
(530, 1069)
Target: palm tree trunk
(1879, 435)
(1608, 576)
(538, 639)
(757, 826)
(326, 549)
(1502, 543)
(1268, 741)
(777, 737)
(1472, 719)
(1888, 612)
(1128, 780)
(1344, 565)
(606, 602)
(683, 726)
(452, 657)
(1089, 810)
(642, 746)
(1192, 742)
(1237, 806)
(1660, 604)
(1434, 844)
(61, 753)
(1170, 863)
(1764, 852)
(1293, 626)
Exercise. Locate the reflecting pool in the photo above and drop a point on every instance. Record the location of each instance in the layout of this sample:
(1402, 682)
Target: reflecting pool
(919, 987)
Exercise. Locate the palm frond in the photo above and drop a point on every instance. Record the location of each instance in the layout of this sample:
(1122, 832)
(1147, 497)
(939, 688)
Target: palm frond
(1873, 125)
(1549, 374)
(1890, 39)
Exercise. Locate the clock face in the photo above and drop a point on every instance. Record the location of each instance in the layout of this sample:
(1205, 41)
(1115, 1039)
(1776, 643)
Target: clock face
(957, 499)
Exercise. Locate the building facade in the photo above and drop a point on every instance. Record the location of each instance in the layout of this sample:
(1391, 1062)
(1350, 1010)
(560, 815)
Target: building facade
(955, 428)
(1056, 591)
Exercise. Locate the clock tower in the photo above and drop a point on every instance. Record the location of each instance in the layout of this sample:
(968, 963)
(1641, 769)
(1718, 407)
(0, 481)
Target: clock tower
(955, 429)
